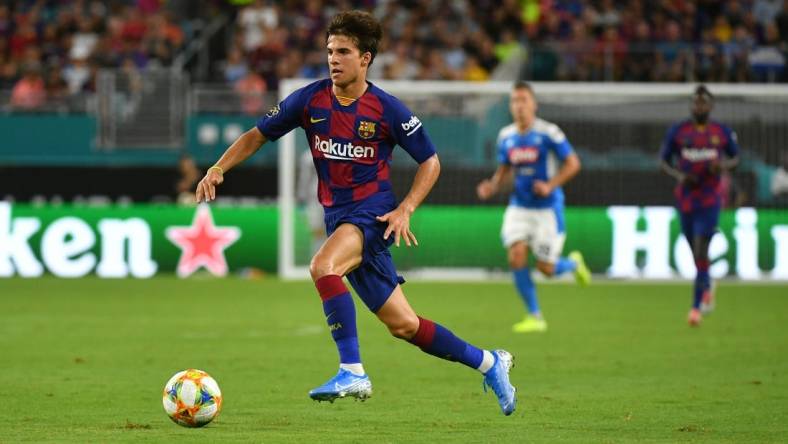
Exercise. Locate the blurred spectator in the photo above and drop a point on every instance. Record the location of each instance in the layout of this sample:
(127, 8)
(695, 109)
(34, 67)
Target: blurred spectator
(736, 52)
(235, 67)
(251, 89)
(8, 74)
(640, 60)
(22, 38)
(188, 176)
(29, 92)
(253, 20)
(77, 73)
(56, 87)
(473, 71)
(767, 61)
(83, 42)
(671, 55)
(766, 11)
(5, 20)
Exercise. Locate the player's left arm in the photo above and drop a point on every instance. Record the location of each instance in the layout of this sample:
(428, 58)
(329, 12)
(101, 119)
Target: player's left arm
(570, 164)
(399, 218)
(407, 132)
(731, 151)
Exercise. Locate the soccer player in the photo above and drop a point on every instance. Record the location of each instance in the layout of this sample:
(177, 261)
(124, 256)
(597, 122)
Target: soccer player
(529, 151)
(352, 127)
(695, 152)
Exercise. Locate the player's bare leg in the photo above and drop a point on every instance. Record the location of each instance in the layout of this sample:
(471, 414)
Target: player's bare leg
(574, 262)
(340, 254)
(436, 340)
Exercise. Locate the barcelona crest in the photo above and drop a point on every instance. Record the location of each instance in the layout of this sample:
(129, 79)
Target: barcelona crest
(366, 130)
(715, 139)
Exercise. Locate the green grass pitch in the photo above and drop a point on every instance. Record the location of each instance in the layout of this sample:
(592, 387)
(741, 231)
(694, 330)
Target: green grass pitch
(86, 360)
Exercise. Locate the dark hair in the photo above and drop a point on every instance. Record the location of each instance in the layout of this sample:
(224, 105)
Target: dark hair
(522, 84)
(359, 26)
(701, 90)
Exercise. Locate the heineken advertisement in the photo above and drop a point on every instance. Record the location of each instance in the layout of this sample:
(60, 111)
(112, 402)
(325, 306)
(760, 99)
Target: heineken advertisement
(143, 240)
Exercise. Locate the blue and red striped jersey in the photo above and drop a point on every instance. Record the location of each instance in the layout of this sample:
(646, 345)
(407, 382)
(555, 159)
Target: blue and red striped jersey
(692, 149)
(351, 145)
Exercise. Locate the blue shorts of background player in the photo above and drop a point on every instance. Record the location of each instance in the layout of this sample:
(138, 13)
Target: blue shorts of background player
(376, 277)
(700, 222)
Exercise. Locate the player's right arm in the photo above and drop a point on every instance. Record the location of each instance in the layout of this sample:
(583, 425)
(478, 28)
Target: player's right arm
(669, 148)
(279, 120)
(246, 145)
(499, 180)
(503, 175)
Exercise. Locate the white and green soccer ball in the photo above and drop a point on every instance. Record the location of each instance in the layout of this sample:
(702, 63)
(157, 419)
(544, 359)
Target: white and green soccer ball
(192, 398)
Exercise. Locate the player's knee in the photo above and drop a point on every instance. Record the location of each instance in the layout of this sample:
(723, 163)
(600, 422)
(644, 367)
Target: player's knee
(546, 268)
(320, 266)
(517, 259)
(404, 328)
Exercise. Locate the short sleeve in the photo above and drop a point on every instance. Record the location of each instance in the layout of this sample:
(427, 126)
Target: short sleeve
(408, 132)
(669, 145)
(503, 152)
(284, 117)
(559, 142)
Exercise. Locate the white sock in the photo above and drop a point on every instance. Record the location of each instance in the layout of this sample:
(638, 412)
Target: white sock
(357, 369)
(487, 361)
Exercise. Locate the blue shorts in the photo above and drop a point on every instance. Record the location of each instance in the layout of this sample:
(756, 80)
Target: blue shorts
(376, 277)
(700, 222)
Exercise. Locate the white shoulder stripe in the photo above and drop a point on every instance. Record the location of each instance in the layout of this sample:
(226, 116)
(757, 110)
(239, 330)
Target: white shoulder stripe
(550, 129)
(507, 131)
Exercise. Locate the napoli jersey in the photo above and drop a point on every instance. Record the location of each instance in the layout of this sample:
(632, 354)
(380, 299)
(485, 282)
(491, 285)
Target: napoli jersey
(351, 145)
(534, 155)
(695, 148)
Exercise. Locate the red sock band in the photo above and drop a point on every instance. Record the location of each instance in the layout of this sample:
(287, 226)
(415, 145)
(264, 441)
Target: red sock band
(702, 265)
(330, 286)
(424, 334)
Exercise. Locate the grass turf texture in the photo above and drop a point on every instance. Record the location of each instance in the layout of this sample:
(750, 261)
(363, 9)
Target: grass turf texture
(86, 360)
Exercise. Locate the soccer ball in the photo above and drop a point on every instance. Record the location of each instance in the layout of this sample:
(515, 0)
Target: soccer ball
(192, 398)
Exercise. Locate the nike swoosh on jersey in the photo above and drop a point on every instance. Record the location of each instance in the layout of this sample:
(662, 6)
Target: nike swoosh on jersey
(313, 120)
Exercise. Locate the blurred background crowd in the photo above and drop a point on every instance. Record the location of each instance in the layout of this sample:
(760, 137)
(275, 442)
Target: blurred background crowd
(51, 50)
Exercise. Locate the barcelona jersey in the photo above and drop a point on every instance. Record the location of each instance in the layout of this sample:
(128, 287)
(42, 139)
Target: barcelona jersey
(351, 145)
(693, 149)
(535, 154)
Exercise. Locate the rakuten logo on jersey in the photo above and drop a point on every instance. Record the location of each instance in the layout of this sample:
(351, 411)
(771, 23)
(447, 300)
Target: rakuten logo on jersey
(699, 154)
(411, 125)
(527, 154)
(343, 151)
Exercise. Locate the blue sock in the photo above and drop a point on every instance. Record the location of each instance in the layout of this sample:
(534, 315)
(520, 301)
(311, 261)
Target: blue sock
(702, 282)
(525, 286)
(563, 265)
(340, 316)
(438, 341)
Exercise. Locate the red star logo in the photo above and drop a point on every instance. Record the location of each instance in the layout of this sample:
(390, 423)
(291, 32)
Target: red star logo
(202, 244)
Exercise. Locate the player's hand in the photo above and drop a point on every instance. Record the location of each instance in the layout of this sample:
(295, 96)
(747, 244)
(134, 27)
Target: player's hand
(399, 224)
(206, 189)
(542, 188)
(688, 179)
(485, 189)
